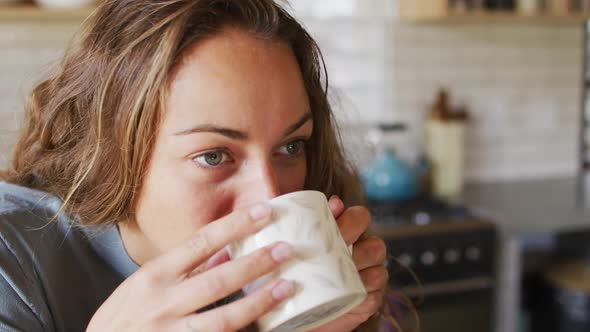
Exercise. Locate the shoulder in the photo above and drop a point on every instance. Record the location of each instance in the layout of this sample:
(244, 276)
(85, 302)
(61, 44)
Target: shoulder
(26, 216)
(25, 211)
(47, 264)
(22, 210)
(32, 228)
(15, 198)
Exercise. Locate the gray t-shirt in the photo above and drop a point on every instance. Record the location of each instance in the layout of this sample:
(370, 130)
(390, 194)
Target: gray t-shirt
(53, 276)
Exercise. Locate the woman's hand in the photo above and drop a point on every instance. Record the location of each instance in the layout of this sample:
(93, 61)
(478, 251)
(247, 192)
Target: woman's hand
(369, 257)
(165, 294)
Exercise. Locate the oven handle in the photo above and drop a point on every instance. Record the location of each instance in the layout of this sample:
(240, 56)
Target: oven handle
(446, 287)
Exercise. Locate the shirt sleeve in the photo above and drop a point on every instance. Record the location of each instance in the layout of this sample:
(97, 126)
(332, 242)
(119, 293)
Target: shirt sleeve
(19, 303)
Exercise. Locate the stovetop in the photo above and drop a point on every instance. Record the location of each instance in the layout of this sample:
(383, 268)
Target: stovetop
(439, 242)
(423, 210)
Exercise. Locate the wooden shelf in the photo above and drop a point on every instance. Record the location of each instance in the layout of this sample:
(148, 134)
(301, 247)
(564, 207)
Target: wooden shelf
(499, 16)
(30, 12)
(441, 11)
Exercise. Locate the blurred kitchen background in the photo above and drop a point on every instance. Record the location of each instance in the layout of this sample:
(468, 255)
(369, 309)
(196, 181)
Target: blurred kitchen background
(467, 121)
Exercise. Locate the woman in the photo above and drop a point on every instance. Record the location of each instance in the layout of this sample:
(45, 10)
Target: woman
(156, 142)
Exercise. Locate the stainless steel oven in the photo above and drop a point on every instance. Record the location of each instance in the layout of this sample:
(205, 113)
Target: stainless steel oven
(452, 254)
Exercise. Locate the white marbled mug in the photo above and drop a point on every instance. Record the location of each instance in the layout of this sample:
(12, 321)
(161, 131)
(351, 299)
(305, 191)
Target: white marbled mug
(327, 282)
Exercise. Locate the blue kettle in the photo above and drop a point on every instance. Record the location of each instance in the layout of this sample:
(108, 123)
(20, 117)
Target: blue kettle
(388, 177)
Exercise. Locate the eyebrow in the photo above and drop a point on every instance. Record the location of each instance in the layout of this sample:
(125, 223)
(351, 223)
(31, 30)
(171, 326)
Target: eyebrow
(236, 134)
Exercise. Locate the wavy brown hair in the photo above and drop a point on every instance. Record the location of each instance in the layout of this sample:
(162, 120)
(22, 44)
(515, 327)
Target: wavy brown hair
(90, 126)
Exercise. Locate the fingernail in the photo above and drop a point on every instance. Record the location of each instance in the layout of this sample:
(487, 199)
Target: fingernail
(333, 197)
(283, 290)
(281, 252)
(260, 211)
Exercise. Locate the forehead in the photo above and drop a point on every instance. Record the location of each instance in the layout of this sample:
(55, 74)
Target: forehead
(234, 76)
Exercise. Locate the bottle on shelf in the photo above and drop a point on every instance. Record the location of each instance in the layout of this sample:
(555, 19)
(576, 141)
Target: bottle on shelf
(458, 6)
(528, 7)
(463, 6)
(499, 4)
(559, 7)
(580, 6)
(476, 5)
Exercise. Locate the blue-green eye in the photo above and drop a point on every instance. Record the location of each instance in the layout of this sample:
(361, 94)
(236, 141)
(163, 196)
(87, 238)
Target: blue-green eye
(294, 147)
(212, 158)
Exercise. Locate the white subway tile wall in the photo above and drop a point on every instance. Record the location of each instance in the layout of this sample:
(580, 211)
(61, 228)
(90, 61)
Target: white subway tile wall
(520, 81)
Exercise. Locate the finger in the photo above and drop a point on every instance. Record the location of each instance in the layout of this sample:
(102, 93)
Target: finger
(353, 222)
(228, 278)
(356, 316)
(369, 252)
(220, 257)
(369, 306)
(375, 278)
(241, 313)
(212, 238)
(336, 206)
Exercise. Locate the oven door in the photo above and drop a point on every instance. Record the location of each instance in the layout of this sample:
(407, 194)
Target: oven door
(448, 271)
(465, 311)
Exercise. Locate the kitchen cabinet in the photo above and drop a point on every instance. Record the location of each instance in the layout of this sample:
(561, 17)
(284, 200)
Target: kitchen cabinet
(447, 11)
(30, 12)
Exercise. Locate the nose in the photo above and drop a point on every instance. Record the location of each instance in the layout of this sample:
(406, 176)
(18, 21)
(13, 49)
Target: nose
(260, 184)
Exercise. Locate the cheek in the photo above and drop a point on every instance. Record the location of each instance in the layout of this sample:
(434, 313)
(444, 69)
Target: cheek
(172, 208)
(292, 179)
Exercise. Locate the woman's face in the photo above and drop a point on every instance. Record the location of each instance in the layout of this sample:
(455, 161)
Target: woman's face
(232, 134)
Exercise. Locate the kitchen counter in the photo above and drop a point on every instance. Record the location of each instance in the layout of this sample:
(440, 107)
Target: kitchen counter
(532, 206)
(528, 214)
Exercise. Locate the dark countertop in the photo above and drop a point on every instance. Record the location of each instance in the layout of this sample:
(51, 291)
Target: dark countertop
(534, 205)
(529, 213)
